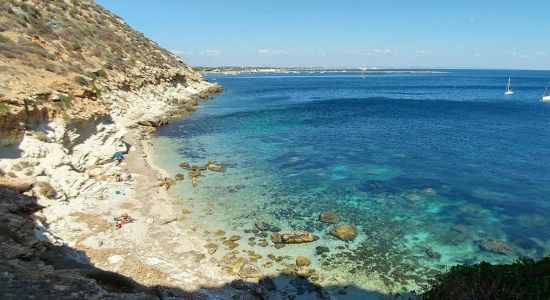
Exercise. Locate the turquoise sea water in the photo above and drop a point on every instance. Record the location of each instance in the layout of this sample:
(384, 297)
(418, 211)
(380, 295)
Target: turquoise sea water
(425, 165)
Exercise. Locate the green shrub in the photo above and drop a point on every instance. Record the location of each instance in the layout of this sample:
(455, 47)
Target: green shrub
(62, 102)
(66, 100)
(524, 279)
(96, 90)
(4, 109)
(81, 80)
(45, 189)
(41, 136)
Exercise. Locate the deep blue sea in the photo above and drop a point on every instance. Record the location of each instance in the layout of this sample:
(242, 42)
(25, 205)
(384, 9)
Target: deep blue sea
(426, 165)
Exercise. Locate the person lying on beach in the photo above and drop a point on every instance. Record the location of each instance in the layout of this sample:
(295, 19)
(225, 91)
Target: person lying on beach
(118, 156)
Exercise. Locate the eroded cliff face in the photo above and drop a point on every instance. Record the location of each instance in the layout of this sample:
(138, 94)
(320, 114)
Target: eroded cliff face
(74, 80)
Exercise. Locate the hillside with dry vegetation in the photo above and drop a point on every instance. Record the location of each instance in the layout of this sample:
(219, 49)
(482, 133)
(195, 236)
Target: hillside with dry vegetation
(57, 57)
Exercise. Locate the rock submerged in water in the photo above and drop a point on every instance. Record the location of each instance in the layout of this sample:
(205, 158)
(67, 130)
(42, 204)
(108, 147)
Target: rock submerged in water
(302, 261)
(185, 165)
(214, 167)
(178, 177)
(319, 250)
(263, 226)
(345, 232)
(329, 217)
(293, 237)
(495, 246)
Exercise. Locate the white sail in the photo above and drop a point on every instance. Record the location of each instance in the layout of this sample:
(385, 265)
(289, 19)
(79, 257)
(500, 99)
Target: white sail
(546, 96)
(508, 90)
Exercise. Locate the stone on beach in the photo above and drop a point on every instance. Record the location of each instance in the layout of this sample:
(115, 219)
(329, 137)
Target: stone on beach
(293, 237)
(211, 248)
(249, 270)
(345, 232)
(329, 217)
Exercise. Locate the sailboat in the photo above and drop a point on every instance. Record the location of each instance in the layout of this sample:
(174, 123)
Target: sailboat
(546, 96)
(508, 91)
(363, 73)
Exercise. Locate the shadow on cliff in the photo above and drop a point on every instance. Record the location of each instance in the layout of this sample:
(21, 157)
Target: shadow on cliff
(29, 266)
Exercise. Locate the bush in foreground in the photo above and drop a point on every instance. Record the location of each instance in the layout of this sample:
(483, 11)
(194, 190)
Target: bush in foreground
(524, 279)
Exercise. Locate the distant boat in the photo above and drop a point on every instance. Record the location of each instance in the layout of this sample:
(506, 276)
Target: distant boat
(508, 91)
(363, 73)
(546, 95)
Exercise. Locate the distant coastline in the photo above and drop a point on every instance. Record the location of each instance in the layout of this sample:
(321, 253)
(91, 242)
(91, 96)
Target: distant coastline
(230, 70)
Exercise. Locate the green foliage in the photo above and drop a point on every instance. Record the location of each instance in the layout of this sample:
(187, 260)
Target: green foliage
(524, 279)
(81, 80)
(96, 90)
(41, 136)
(4, 109)
(45, 189)
(63, 102)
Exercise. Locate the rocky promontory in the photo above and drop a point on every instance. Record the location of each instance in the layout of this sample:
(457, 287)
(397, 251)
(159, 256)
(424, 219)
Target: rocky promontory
(77, 85)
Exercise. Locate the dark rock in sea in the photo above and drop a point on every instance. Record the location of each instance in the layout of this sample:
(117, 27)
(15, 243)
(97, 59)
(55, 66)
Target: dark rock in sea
(263, 226)
(345, 232)
(185, 165)
(293, 237)
(194, 173)
(433, 254)
(178, 177)
(268, 283)
(460, 229)
(495, 246)
(275, 228)
(198, 168)
(319, 250)
(278, 245)
(329, 217)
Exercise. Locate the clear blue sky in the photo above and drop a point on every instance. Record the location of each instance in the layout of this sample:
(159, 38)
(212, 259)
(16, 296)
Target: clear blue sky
(383, 33)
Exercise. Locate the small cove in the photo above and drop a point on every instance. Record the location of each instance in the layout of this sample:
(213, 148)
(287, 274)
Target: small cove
(425, 165)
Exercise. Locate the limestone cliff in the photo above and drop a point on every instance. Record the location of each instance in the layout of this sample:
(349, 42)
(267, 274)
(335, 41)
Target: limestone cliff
(74, 80)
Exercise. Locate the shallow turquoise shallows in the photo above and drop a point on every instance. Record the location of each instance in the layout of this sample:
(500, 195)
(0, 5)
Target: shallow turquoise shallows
(434, 169)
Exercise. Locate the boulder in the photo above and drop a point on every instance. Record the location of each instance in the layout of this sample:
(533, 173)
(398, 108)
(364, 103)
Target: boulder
(319, 250)
(214, 167)
(178, 177)
(302, 261)
(263, 226)
(198, 168)
(293, 237)
(303, 272)
(329, 217)
(495, 246)
(194, 173)
(185, 165)
(345, 232)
